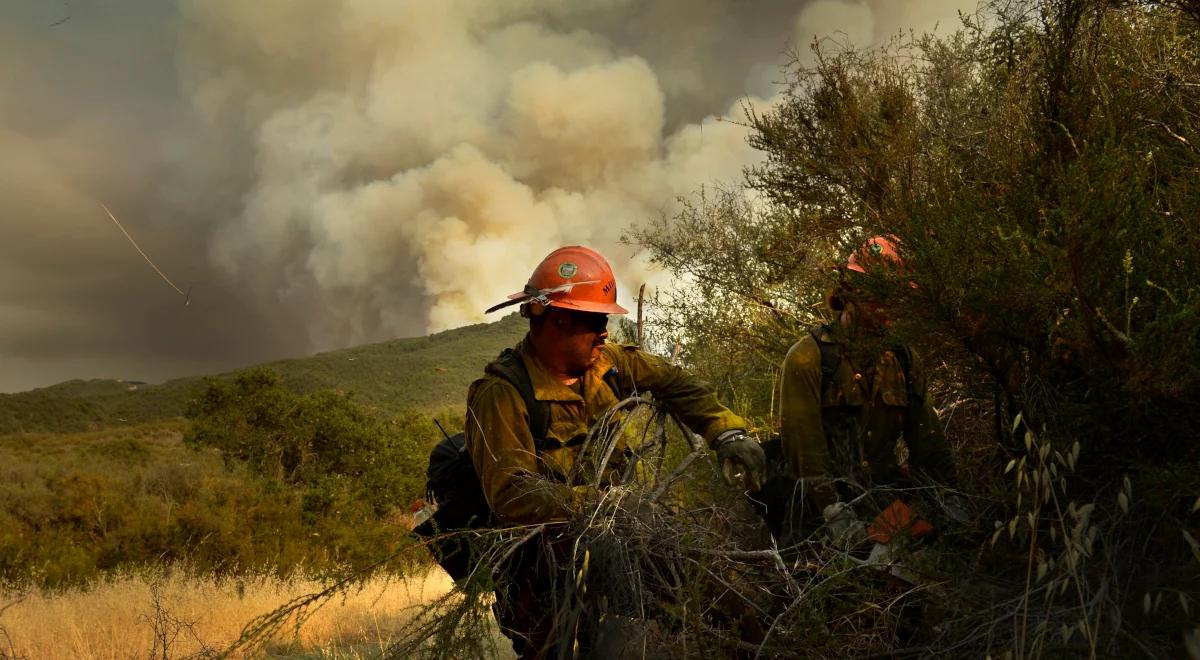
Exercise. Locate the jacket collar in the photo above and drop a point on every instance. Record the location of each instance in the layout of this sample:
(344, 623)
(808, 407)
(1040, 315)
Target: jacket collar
(826, 336)
(548, 388)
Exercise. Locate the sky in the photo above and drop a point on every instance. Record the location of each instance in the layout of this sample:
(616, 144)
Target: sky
(326, 173)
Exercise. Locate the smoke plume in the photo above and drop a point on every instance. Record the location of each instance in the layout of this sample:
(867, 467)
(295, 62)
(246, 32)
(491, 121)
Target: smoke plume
(329, 172)
(414, 161)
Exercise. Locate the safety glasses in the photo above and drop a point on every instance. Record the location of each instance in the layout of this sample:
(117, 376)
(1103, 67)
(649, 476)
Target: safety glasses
(590, 321)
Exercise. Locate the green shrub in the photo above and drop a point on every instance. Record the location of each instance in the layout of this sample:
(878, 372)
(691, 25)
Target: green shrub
(73, 507)
(267, 480)
(322, 442)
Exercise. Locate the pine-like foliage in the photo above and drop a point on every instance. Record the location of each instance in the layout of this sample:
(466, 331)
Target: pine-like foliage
(1040, 171)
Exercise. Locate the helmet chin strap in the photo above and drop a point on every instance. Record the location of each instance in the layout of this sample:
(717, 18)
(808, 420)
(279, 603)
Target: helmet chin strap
(848, 317)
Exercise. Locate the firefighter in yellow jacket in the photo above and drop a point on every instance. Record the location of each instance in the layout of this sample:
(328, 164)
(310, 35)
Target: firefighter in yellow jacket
(854, 412)
(573, 371)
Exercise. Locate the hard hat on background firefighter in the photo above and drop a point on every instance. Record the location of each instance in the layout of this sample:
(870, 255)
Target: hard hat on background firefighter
(572, 277)
(878, 250)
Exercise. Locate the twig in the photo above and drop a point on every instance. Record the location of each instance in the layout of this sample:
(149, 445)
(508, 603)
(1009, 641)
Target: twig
(675, 475)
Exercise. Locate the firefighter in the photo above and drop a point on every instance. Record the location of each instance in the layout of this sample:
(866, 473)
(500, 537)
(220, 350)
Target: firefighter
(573, 373)
(855, 412)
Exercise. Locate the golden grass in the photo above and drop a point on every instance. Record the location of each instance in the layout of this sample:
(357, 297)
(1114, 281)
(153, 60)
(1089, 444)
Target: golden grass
(118, 618)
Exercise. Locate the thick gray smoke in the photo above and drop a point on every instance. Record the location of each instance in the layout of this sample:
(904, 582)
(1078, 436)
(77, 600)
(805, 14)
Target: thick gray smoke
(413, 161)
(328, 172)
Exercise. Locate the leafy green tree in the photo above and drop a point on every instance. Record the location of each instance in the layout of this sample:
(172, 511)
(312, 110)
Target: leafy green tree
(745, 288)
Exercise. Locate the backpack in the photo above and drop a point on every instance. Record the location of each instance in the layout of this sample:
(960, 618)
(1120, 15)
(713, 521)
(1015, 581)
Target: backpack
(452, 482)
(831, 359)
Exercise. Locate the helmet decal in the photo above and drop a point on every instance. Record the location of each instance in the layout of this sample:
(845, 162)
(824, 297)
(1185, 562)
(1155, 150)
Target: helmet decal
(877, 250)
(567, 270)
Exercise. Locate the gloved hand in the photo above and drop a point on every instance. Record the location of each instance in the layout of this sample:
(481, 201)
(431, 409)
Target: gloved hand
(741, 458)
(842, 526)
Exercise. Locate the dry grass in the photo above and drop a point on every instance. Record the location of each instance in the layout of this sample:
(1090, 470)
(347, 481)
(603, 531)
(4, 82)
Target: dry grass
(138, 615)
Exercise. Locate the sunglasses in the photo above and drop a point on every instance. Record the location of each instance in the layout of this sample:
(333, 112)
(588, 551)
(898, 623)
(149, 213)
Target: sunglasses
(591, 321)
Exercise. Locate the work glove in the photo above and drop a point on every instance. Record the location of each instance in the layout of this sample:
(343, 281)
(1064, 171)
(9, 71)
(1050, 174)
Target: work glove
(842, 527)
(742, 460)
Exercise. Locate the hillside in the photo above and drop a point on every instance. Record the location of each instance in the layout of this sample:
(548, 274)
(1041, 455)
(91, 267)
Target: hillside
(427, 374)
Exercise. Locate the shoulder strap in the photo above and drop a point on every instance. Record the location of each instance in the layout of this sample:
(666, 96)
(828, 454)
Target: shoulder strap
(511, 368)
(904, 354)
(610, 379)
(830, 359)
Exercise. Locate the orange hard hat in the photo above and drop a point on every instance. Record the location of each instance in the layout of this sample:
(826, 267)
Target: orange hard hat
(878, 250)
(571, 277)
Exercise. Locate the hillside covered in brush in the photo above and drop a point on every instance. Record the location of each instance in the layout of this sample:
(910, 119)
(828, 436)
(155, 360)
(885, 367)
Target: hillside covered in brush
(310, 462)
(423, 374)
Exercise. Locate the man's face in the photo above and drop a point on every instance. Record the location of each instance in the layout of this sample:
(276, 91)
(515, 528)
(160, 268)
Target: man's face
(579, 337)
(873, 316)
(863, 311)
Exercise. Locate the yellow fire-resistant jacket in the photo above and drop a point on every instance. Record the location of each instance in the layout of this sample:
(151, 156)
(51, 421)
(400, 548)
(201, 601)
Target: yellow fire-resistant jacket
(866, 425)
(525, 485)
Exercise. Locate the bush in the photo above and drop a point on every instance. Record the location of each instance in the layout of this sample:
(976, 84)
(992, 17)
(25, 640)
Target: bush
(321, 442)
(267, 481)
(1039, 169)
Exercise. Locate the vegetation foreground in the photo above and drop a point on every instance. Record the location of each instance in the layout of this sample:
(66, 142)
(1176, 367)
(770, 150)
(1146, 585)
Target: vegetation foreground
(171, 613)
(1040, 170)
